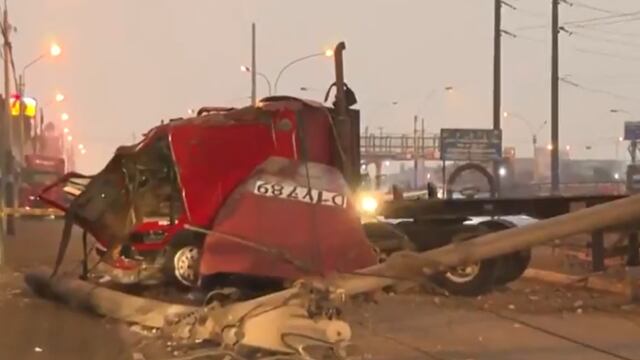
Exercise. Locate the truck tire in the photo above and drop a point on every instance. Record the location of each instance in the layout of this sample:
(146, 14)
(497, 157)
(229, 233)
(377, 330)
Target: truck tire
(387, 238)
(472, 279)
(512, 265)
(182, 259)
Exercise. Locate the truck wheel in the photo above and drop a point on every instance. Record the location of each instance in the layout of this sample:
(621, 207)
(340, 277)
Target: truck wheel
(182, 259)
(512, 266)
(472, 279)
(387, 238)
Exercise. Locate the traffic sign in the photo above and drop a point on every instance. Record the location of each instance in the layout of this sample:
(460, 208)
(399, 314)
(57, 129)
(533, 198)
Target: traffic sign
(471, 144)
(632, 130)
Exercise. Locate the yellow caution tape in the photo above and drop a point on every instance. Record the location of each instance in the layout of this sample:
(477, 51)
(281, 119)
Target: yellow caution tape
(30, 212)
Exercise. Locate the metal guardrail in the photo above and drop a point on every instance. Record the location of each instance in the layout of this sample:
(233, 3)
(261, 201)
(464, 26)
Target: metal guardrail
(400, 146)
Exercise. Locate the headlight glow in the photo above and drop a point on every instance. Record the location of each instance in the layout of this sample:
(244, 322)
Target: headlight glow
(368, 204)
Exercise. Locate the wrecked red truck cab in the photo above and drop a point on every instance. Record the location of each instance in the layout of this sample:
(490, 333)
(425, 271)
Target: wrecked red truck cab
(184, 173)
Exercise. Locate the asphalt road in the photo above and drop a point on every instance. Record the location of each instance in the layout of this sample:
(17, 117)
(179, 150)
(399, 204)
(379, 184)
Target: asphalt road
(527, 321)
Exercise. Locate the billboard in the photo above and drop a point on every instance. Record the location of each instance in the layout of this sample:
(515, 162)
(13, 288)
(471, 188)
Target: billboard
(632, 130)
(471, 144)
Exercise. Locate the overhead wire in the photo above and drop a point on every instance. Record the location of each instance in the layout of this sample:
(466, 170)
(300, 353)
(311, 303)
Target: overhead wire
(604, 39)
(594, 8)
(606, 23)
(603, 18)
(612, 33)
(597, 90)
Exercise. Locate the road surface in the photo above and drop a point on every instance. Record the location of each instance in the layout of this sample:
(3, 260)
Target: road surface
(528, 321)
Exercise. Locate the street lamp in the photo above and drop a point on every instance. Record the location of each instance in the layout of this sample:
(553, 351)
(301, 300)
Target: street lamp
(448, 89)
(634, 144)
(59, 97)
(327, 53)
(54, 51)
(247, 69)
(533, 132)
(64, 116)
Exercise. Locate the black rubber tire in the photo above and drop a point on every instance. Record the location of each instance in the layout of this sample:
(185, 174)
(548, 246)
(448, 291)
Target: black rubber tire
(394, 239)
(512, 266)
(179, 241)
(481, 283)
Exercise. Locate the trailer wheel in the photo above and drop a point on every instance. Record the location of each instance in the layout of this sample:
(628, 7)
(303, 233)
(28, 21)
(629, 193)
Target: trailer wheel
(512, 266)
(471, 279)
(387, 238)
(182, 259)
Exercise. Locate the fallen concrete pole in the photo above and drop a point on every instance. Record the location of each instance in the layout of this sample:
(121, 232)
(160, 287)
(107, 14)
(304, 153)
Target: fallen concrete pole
(247, 320)
(102, 300)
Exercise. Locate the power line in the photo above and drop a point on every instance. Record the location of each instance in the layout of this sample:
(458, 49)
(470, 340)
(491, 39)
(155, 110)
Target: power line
(594, 8)
(598, 91)
(605, 39)
(605, 23)
(605, 54)
(613, 33)
(601, 18)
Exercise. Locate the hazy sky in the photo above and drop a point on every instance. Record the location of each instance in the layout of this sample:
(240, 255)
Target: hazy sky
(127, 64)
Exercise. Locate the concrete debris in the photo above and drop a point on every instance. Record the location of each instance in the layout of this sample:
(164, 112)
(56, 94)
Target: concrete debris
(578, 304)
(512, 307)
(138, 356)
(142, 330)
(579, 311)
(516, 325)
(37, 349)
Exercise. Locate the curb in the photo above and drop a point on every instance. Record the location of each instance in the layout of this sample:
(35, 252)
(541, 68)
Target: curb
(594, 282)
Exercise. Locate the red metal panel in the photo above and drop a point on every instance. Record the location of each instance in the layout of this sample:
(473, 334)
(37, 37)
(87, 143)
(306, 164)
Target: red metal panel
(322, 234)
(213, 159)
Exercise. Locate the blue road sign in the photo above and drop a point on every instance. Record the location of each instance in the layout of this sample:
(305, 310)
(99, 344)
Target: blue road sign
(470, 144)
(632, 130)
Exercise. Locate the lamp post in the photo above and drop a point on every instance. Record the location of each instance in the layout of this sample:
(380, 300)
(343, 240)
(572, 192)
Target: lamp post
(533, 132)
(247, 69)
(327, 53)
(534, 137)
(633, 146)
(54, 51)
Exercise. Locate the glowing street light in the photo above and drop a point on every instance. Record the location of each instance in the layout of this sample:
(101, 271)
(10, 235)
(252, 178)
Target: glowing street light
(83, 151)
(55, 50)
(327, 53)
(69, 138)
(549, 147)
(59, 97)
(247, 69)
(80, 147)
(65, 130)
(64, 117)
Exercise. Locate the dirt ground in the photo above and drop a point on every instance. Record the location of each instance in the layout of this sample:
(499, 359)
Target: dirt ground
(527, 320)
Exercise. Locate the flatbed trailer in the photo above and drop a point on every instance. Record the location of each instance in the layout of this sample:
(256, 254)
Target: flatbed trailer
(431, 223)
(542, 207)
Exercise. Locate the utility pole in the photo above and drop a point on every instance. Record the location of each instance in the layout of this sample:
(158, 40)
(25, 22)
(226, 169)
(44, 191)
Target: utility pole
(415, 151)
(555, 146)
(5, 138)
(497, 91)
(254, 99)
